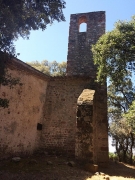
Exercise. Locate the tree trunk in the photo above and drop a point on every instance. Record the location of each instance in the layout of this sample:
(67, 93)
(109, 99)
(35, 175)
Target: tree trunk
(131, 152)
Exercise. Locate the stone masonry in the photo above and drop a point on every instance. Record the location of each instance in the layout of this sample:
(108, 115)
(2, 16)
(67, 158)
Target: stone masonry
(79, 55)
(79, 130)
(91, 132)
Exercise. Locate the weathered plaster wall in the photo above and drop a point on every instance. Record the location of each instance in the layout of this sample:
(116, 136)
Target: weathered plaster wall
(18, 122)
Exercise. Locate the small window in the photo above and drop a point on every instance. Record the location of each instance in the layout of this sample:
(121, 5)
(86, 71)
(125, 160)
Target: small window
(39, 126)
(83, 27)
(82, 22)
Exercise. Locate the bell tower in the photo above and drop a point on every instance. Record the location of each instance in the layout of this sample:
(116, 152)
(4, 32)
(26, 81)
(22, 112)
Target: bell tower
(79, 59)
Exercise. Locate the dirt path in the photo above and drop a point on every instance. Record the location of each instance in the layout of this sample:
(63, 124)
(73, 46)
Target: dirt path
(58, 168)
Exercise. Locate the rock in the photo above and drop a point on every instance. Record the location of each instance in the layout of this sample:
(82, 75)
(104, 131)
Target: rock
(97, 173)
(102, 174)
(16, 159)
(71, 163)
(107, 178)
(91, 167)
(49, 163)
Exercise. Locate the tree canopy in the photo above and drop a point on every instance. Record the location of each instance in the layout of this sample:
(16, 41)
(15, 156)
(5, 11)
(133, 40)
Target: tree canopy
(123, 139)
(114, 53)
(18, 18)
(119, 102)
(50, 68)
(130, 116)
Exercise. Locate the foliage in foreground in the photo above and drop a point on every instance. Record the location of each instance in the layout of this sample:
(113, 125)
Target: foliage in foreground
(18, 18)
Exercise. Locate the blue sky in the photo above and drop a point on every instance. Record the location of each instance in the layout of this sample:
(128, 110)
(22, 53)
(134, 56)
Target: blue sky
(52, 44)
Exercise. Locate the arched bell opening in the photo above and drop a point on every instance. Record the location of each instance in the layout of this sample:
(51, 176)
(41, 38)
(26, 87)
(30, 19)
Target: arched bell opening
(82, 24)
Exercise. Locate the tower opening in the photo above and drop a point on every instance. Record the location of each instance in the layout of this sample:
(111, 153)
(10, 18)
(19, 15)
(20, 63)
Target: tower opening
(82, 24)
(83, 27)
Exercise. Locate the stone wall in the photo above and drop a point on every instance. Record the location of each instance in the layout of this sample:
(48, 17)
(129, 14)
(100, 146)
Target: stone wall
(84, 135)
(59, 126)
(84, 119)
(18, 122)
(59, 131)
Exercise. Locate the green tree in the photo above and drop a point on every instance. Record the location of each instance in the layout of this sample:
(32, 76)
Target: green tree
(54, 67)
(114, 53)
(50, 68)
(62, 68)
(130, 116)
(43, 66)
(58, 69)
(119, 101)
(123, 139)
(120, 98)
(18, 18)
